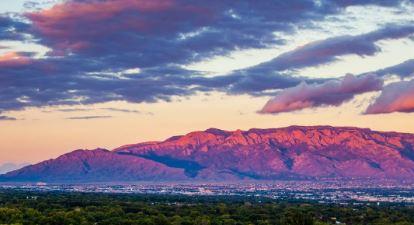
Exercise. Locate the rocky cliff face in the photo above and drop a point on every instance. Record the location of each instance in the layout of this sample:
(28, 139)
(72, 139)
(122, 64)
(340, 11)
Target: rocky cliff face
(260, 154)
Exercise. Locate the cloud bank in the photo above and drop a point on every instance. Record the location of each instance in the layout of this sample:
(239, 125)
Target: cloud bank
(91, 40)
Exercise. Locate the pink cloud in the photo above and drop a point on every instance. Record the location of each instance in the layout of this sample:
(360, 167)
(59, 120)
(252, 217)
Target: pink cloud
(395, 97)
(333, 92)
(75, 25)
(11, 59)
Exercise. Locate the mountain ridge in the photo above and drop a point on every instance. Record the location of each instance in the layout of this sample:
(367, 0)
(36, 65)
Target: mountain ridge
(295, 152)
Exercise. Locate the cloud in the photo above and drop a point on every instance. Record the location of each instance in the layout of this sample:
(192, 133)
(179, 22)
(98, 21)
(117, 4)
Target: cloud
(90, 109)
(63, 85)
(140, 33)
(14, 59)
(404, 69)
(122, 110)
(6, 118)
(326, 51)
(12, 28)
(144, 33)
(73, 110)
(332, 93)
(256, 83)
(345, 3)
(87, 117)
(76, 26)
(395, 97)
(89, 39)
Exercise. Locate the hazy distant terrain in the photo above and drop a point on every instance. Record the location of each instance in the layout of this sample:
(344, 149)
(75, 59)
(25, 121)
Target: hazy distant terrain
(7, 167)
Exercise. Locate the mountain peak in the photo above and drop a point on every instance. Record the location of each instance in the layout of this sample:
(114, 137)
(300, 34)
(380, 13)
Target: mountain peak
(216, 131)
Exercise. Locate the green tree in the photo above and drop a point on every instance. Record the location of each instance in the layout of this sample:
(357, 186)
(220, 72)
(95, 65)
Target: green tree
(294, 216)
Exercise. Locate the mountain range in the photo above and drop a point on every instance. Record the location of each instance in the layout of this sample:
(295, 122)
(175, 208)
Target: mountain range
(296, 152)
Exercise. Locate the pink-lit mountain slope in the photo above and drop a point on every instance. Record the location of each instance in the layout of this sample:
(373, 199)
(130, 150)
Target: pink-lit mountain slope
(95, 165)
(257, 154)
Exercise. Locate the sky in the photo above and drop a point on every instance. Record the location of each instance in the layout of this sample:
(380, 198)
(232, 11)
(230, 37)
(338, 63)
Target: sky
(82, 74)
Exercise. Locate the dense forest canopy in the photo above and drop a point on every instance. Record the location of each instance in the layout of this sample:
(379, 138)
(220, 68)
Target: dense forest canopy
(61, 208)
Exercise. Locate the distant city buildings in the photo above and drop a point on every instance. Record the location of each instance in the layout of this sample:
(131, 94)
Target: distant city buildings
(354, 192)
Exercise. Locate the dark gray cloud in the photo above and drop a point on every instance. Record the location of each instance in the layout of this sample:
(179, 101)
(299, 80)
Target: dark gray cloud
(70, 88)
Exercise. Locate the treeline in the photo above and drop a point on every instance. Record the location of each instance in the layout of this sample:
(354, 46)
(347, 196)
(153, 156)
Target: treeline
(60, 208)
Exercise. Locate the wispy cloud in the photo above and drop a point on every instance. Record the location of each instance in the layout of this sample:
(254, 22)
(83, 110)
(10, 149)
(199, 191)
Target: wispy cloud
(73, 110)
(113, 109)
(68, 110)
(7, 118)
(404, 69)
(88, 117)
(328, 50)
(122, 110)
